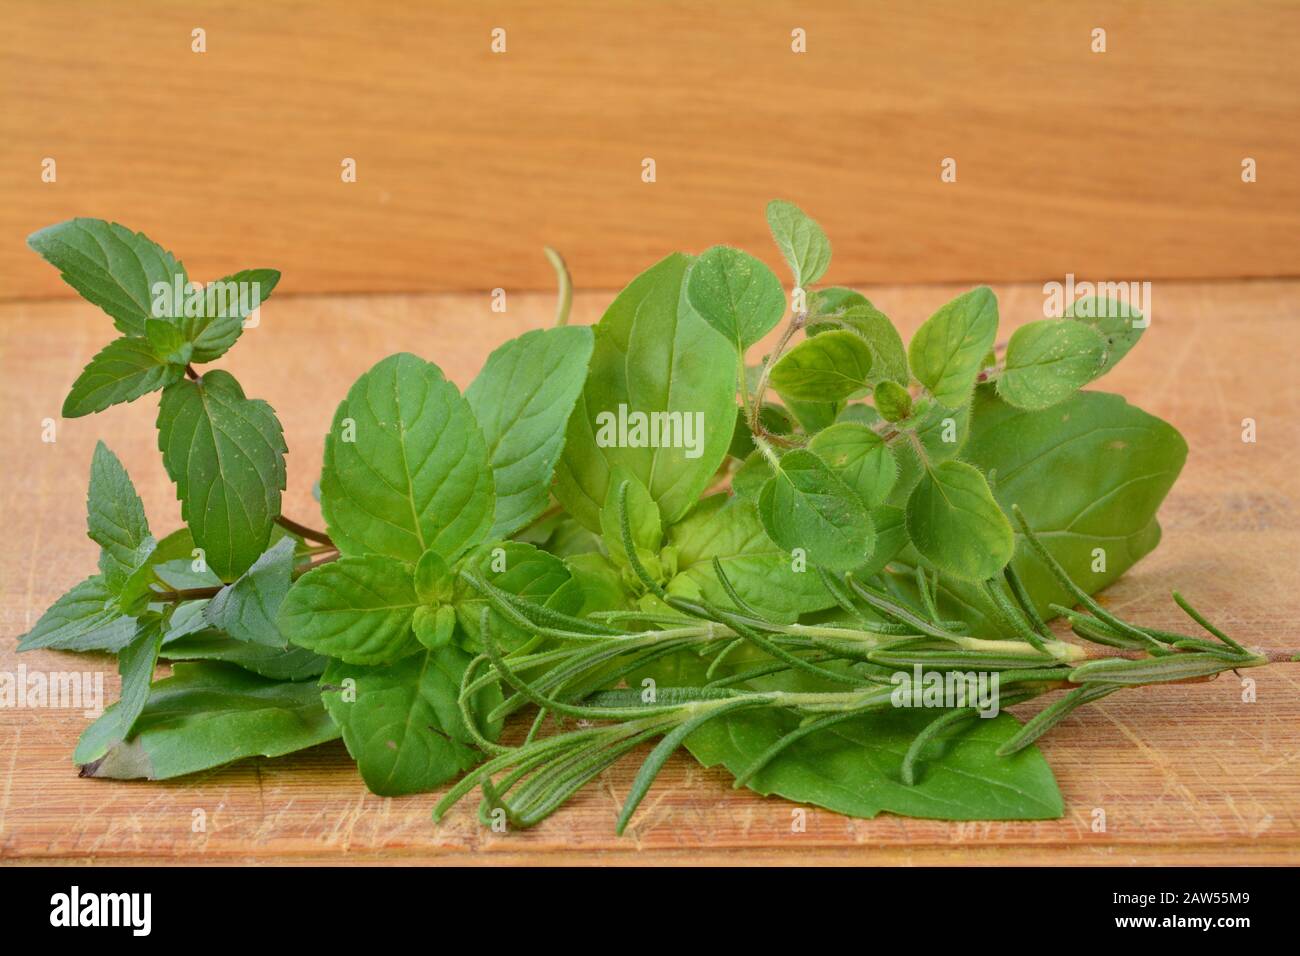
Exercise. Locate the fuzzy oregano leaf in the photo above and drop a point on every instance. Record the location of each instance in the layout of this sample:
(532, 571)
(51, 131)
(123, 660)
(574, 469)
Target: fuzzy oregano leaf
(805, 505)
(859, 456)
(522, 400)
(947, 350)
(111, 266)
(736, 294)
(828, 368)
(226, 454)
(1119, 324)
(801, 241)
(840, 308)
(1048, 360)
(956, 525)
(406, 466)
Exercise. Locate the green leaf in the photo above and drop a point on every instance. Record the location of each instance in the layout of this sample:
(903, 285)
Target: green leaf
(1121, 463)
(116, 519)
(728, 529)
(855, 767)
(942, 433)
(122, 371)
(828, 368)
(403, 727)
(136, 663)
(246, 609)
(643, 519)
(276, 663)
(222, 307)
(892, 401)
(749, 478)
(947, 350)
(859, 456)
(522, 400)
(652, 354)
(1118, 324)
(204, 716)
(357, 609)
(226, 454)
(891, 539)
(1048, 361)
(956, 525)
(801, 241)
(516, 568)
(736, 294)
(406, 467)
(840, 308)
(804, 505)
(87, 618)
(168, 342)
(111, 266)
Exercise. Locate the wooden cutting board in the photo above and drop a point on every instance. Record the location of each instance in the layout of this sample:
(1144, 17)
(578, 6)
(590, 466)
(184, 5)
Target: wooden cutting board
(1185, 774)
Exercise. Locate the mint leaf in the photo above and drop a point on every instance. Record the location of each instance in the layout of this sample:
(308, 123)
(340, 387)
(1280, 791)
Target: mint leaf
(168, 342)
(404, 727)
(226, 454)
(406, 467)
(357, 609)
(830, 367)
(956, 525)
(1048, 360)
(86, 618)
(246, 609)
(801, 241)
(522, 400)
(111, 266)
(804, 505)
(653, 354)
(516, 568)
(136, 663)
(729, 529)
(277, 663)
(116, 519)
(204, 716)
(122, 371)
(736, 294)
(947, 350)
(859, 456)
(223, 305)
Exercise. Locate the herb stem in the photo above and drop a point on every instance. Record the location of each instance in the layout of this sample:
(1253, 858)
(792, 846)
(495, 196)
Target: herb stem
(302, 531)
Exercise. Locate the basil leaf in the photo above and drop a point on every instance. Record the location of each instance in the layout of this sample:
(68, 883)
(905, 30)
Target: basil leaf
(830, 367)
(859, 456)
(801, 241)
(406, 467)
(728, 529)
(223, 305)
(276, 663)
(111, 266)
(86, 618)
(404, 727)
(804, 505)
(246, 609)
(1048, 361)
(122, 371)
(116, 520)
(643, 520)
(357, 609)
(522, 400)
(736, 294)
(1118, 324)
(854, 767)
(226, 454)
(653, 353)
(947, 351)
(956, 525)
(204, 716)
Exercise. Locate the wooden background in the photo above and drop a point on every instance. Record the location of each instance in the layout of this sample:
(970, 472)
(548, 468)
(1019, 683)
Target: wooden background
(1117, 166)
(1186, 774)
(1122, 165)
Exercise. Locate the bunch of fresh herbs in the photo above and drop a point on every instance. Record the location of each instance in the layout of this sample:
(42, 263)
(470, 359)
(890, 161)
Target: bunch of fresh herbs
(615, 537)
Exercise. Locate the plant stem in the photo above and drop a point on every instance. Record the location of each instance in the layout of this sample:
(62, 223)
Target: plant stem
(303, 531)
(797, 322)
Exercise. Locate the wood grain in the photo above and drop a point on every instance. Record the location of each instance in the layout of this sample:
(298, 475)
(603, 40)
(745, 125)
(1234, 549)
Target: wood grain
(1115, 166)
(1186, 774)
